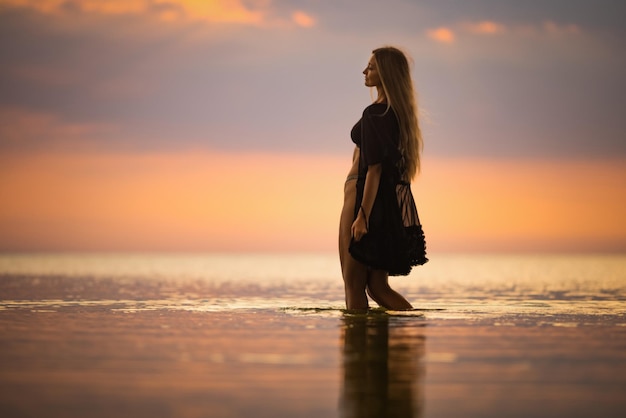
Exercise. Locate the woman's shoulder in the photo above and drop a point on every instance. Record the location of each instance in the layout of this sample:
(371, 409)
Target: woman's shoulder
(376, 109)
(380, 114)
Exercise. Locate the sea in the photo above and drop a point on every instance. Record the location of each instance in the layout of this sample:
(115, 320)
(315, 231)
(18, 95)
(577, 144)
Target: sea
(267, 335)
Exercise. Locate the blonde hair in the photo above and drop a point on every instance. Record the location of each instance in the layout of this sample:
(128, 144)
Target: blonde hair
(395, 76)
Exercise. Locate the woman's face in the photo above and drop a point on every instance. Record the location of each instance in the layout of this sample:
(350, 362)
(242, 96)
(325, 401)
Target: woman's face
(372, 78)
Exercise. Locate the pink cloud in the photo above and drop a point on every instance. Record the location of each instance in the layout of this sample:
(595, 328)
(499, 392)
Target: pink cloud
(452, 33)
(554, 28)
(485, 27)
(25, 129)
(303, 19)
(442, 34)
(251, 12)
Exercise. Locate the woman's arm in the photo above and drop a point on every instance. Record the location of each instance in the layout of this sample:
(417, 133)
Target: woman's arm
(355, 162)
(372, 180)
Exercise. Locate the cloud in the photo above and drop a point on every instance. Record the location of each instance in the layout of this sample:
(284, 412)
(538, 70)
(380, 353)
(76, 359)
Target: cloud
(554, 28)
(43, 75)
(485, 27)
(303, 19)
(493, 84)
(23, 129)
(228, 11)
(251, 12)
(449, 34)
(463, 30)
(90, 6)
(443, 35)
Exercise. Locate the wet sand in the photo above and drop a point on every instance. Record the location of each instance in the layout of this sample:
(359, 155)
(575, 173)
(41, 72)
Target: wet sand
(62, 359)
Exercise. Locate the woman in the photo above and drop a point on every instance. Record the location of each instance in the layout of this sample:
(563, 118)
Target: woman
(388, 143)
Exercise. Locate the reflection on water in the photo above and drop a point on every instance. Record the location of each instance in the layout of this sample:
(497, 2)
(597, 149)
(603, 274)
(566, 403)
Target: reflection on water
(382, 371)
(267, 336)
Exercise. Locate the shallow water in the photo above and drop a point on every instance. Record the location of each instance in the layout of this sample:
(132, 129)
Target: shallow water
(450, 286)
(266, 335)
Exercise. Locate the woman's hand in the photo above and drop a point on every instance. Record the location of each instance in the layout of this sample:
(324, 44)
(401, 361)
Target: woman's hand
(359, 226)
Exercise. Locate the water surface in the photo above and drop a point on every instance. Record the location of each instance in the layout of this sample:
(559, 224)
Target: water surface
(226, 335)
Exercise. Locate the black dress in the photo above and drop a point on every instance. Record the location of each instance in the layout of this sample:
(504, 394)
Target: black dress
(395, 240)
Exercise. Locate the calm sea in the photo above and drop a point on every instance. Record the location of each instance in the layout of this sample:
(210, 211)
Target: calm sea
(266, 335)
(472, 286)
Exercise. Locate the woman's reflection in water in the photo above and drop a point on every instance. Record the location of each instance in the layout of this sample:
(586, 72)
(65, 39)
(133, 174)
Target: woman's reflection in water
(381, 366)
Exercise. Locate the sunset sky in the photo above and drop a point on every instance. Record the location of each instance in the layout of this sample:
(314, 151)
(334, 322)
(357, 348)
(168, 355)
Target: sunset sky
(187, 125)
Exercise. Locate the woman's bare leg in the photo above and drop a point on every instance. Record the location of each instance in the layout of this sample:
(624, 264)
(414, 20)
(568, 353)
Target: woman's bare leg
(357, 278)
(354, 273)
(379, 290)
(345, 222)
(374, 297)
(355, 283)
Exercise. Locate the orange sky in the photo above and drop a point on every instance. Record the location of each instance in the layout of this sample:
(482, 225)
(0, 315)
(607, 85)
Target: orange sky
(200, 201)
(223, 125)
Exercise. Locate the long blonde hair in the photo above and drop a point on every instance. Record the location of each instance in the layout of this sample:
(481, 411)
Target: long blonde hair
(395, 76)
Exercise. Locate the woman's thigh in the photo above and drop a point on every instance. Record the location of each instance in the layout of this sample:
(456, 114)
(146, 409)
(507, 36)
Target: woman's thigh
(345, 222)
